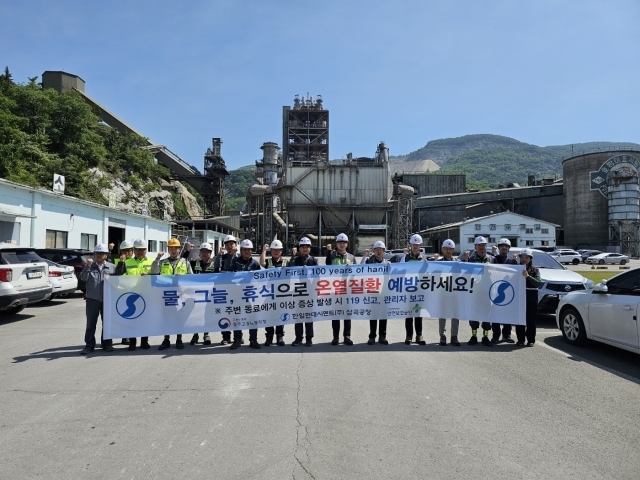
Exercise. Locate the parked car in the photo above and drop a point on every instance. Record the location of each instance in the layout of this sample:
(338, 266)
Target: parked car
(611, 258)
(75, 257)
(588, 253)
(24, 278)
(63, 279)
(557, 280)
(606, 314)
(567, 256)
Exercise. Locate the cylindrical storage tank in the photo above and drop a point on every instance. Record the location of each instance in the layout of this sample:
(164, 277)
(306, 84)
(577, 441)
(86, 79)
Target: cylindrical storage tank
(623, 193)
(586, 201)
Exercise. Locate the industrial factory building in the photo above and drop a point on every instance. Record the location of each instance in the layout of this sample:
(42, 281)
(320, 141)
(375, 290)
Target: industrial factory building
(520, 230)
(602, 202)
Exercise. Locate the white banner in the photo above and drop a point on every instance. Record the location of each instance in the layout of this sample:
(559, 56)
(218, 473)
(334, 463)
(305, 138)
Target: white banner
(136, 306)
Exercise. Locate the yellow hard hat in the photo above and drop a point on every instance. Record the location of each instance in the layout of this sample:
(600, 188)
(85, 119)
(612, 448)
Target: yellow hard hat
(174, 242)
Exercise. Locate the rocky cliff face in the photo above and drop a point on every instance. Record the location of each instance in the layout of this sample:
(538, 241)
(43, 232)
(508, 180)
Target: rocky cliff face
(156, 200)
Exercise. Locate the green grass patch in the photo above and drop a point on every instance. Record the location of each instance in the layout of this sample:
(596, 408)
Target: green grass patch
(598, 275)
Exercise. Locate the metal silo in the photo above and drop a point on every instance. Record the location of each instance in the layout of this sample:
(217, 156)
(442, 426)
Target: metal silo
(623, 192)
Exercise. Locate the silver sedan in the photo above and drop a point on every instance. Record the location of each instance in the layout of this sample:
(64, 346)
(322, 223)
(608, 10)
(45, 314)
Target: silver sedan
(608, 258)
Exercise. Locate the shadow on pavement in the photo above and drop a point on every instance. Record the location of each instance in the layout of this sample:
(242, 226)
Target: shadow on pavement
(8, 319)
(611, 359)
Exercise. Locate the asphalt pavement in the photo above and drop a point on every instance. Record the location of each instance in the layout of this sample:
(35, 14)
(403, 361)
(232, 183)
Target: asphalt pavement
(396, 411)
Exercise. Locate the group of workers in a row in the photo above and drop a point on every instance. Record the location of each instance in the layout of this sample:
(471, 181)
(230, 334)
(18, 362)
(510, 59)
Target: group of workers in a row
(133, 261)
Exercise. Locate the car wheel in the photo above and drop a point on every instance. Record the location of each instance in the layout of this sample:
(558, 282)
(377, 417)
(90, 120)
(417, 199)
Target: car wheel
(575, 261)
(601, 262)
(623, 261)
(572, 327)
(14, 310)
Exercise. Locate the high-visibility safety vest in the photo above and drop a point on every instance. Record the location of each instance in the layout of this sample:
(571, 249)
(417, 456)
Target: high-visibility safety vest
(346, 259)
(198, 267)
(175, 267)
(282, 263)
(137, 267)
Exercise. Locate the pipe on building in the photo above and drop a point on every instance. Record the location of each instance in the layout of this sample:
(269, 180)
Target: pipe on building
(325, 238)
(282, 225)
(257, 190)
(402, 190)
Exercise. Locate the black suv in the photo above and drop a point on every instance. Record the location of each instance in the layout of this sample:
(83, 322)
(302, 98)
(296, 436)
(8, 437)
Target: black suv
(75, 257)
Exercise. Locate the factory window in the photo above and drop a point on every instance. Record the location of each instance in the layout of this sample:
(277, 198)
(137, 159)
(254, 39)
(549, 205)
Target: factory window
(528, 230)
(529, 243)
(492, 239)
(522, 226)
(163, 247)
(536, 226)
(471, 239)
(88, 241)
(492, 226)
(507, 226)
(153, 245)
(478, 226)
(545, 230)
(56, 239)
(544, 243)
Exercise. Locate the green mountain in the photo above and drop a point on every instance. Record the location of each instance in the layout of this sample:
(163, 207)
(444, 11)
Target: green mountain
(491, 160)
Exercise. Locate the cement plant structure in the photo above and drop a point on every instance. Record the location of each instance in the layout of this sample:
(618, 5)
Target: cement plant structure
(303, 193)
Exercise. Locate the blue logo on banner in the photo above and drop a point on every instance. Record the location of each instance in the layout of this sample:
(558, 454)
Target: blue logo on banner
(501, 293)
(130, 305)
(224, 323)
(285, 317)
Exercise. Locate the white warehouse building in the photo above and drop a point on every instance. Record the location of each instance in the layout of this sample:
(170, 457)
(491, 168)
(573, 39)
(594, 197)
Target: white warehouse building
(40, 218)
(521, 231)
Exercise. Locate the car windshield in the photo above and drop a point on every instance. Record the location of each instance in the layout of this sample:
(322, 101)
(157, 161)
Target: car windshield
(54, 264)
(542, 260)
(12, 257)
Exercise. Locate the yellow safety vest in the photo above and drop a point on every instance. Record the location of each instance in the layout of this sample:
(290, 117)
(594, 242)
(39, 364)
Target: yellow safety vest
(137, 267)
(180, 267)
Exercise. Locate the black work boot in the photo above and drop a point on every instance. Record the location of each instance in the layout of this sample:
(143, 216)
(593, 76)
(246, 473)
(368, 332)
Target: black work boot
(280, 340)
(269, 341)
(335, 341)
(372, 341)
(383, 340)
(255, 344)
(296, 342)
(348, 341)
(164, 345)
(235, 344)
(309, 342)
(132, 345)
(206, 340)
(194, 339)
(179, 344)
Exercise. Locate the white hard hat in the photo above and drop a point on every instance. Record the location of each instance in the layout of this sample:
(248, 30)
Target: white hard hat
(448, 243)
(126, 245)
(342, 238)
(276, 244)
(304, 241)
(230, 238)
(479, 240)
(415, 239)
(139, 243)
(379, 244)
(527, 251)
(101, 248)
(246, 244)
(504, 241)
(206, 246)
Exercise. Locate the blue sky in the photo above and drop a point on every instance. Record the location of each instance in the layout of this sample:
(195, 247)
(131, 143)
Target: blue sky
(543, 72)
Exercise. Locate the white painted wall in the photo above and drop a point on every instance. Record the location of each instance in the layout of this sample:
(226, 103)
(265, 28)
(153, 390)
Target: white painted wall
(37, 211)
(468, 231)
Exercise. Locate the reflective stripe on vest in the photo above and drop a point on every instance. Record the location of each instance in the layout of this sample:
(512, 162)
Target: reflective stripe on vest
(198, 267)
(180, 267)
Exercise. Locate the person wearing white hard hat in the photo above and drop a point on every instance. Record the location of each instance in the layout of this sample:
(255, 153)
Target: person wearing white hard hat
(448, 246)
(377, 258)
(223, 264)
(340, 256)
(94, 274)
(533, 282)
(139, 264)
(276, 261)
(479, 255)
(303, 259)
(414, 256)
(126, 252)
(245, 263)
(502, 257)
(204, 264)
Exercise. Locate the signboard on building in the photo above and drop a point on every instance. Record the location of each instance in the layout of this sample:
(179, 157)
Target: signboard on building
(112, 200)
(58, 183)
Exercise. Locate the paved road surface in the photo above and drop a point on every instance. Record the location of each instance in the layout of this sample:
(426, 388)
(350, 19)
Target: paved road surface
(322, 412)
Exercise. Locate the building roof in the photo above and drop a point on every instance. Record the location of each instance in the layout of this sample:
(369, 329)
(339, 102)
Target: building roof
(50, 193)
